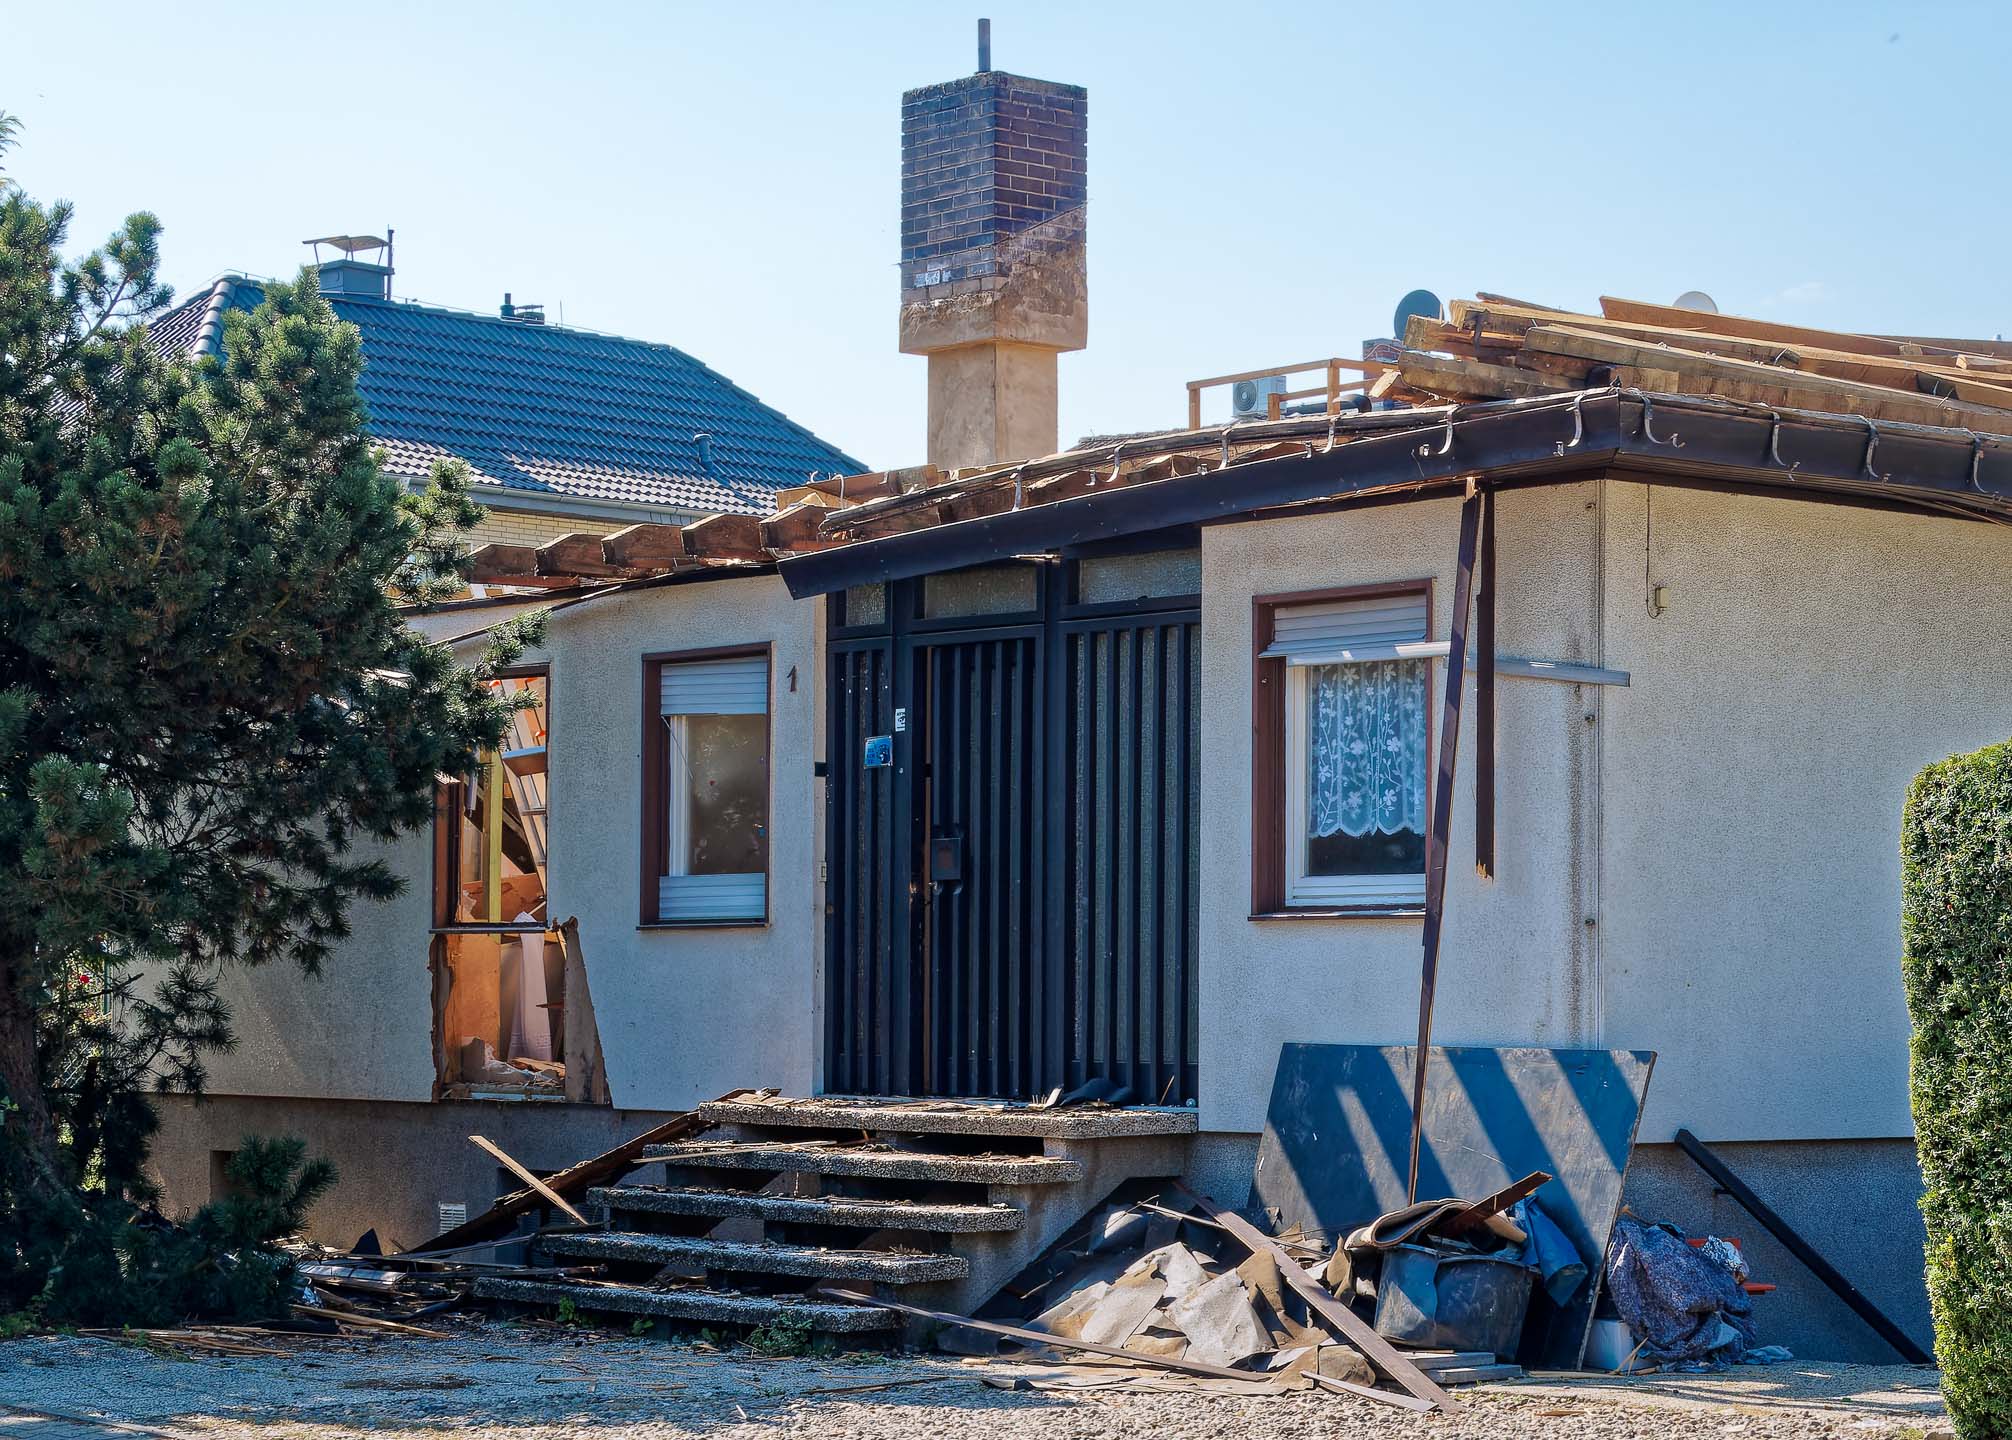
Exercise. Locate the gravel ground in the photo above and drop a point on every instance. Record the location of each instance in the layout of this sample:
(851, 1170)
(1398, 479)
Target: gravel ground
(530, 1383)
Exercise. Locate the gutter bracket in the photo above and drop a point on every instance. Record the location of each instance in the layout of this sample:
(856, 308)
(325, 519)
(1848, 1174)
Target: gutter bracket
(1774, 442)
(1871, 446)
(1649, 426)
(1578, 425)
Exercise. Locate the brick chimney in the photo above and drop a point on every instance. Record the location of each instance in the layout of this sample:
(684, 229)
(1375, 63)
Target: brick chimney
(993, 285)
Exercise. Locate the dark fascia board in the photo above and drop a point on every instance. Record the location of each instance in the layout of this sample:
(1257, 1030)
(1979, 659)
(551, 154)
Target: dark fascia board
(1518, 440)
(699, 575)
(1558, 439)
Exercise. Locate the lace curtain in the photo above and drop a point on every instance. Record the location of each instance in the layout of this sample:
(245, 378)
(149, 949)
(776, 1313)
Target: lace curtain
(1365, 754)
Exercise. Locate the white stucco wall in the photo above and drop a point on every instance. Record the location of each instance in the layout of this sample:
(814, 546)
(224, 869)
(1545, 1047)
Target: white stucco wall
(1812, 659)
(1517, 964)
(1729, 822)
(684, 1014)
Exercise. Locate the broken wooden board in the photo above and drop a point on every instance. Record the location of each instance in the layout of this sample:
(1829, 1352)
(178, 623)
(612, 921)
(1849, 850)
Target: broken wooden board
(580, 554)
(1038, 1339)
(502, 1217)
(1701, 373)
(1744, 328)
(1344, 1322)
(1337, 1141)
(586, 1069)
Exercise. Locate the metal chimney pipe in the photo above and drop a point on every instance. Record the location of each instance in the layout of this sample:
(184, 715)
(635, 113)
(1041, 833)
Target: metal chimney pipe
(984, 46)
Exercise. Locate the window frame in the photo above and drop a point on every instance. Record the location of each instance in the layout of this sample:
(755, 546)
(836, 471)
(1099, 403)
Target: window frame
(447, 842)
(1273, 692)
(656, 781)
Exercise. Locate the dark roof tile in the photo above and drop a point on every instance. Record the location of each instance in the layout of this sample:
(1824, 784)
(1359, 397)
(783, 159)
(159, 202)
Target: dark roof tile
(549, 410)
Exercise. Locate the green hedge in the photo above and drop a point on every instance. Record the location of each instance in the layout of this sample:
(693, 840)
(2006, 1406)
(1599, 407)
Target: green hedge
(1956, 929)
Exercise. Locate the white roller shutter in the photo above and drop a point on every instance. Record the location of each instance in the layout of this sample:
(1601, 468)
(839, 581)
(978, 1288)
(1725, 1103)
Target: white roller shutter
(1332, 631)
(736, 686)
(712, 897)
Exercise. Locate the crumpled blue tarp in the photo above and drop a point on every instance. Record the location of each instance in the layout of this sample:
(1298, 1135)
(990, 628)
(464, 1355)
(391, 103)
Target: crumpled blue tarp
(1560, 1268)
(1682, 1304)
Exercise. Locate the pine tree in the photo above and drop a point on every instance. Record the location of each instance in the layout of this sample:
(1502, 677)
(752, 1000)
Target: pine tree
(209, 708)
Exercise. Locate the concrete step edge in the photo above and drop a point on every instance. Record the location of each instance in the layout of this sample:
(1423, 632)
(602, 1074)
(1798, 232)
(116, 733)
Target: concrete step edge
(842, 1210)
(720, 1307)
(884, 1164)
(998, 1118)
(796, 1260)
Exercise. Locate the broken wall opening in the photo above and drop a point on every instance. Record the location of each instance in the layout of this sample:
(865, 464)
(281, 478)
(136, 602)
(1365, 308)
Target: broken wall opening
(501, 972)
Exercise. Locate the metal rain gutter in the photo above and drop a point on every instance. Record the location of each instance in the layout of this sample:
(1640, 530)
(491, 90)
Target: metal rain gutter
(1689, 439)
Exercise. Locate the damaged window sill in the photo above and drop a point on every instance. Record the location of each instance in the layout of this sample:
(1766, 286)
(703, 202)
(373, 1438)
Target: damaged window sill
(1354, 912)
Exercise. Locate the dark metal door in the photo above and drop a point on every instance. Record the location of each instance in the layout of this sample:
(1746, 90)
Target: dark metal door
(984, 996)
(1130, 856)
(869, 1038)
(1011, 888)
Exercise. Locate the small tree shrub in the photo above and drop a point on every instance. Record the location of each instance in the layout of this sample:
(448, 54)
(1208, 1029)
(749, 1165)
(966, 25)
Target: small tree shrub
(1956, 852)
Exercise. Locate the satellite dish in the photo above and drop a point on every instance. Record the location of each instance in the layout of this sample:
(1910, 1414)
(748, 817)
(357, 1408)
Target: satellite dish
(1418, 302)
(1697, 300)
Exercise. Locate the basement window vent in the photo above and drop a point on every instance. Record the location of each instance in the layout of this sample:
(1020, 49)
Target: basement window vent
(452, 1217)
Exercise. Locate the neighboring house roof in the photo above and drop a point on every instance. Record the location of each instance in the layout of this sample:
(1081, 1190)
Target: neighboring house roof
(548, 411)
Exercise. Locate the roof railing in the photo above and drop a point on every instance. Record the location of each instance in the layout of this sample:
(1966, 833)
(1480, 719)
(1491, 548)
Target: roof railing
(1332, 391)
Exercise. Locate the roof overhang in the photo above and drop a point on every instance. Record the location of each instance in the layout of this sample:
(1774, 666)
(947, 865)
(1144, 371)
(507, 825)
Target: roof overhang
(1680, 439)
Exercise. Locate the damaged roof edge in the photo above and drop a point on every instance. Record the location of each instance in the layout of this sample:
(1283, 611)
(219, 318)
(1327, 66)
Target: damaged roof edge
(697, 576)
(1682, 439)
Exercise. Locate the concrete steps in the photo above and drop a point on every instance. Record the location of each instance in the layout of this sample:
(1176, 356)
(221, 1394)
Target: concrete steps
(822, 1158)
(837, 1211)
(939, 1201)
(878, 1266)
(698, 1306)
(950, 1117)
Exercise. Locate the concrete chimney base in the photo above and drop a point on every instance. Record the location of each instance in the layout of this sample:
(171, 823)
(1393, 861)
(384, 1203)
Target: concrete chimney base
(991, 403)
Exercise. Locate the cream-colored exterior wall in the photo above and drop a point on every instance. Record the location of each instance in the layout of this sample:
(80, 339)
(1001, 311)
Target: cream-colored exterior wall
(1519, 966)
(685, 1014)
(1704, 863)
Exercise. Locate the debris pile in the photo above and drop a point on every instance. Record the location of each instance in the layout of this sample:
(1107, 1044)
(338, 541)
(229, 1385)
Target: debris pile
(1495, 348)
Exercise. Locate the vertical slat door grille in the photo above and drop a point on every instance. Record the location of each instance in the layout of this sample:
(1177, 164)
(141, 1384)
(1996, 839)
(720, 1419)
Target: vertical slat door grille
(1132, 738)
(1019, 911)
(982, 864)
(863, 1054)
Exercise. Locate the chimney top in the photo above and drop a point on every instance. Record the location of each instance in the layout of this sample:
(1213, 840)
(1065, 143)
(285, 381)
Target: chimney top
(984, 46)
(525, 314)
(349, 276)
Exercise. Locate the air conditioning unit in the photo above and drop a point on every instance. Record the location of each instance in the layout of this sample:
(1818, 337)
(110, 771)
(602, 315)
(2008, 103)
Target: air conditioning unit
(1252, 398)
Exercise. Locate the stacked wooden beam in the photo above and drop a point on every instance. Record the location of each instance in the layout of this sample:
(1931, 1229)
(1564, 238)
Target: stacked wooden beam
(1494, 348)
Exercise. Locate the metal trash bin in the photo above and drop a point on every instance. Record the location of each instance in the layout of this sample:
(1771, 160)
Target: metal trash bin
(1452, 1301)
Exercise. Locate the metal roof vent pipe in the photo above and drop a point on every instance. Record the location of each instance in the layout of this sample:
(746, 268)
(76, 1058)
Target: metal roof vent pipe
(526, 314)
(704, 441)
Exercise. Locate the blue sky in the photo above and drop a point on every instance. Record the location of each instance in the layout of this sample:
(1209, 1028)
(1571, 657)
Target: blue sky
(1265, 180)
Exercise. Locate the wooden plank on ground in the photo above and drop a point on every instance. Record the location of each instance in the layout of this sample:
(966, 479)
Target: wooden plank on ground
(1346, 1323)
